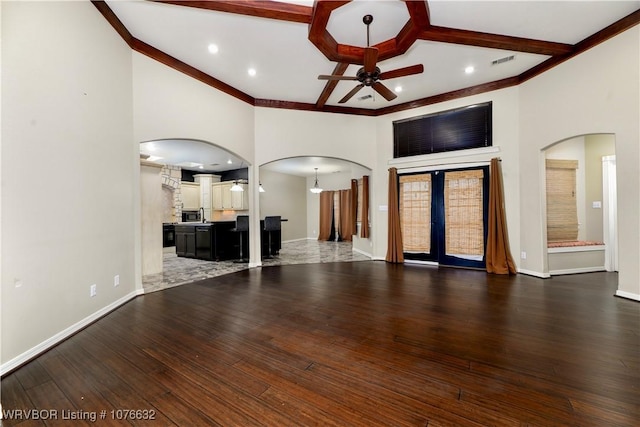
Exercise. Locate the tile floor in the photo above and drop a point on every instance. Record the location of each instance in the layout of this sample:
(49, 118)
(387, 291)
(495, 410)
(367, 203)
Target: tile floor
(178, 270)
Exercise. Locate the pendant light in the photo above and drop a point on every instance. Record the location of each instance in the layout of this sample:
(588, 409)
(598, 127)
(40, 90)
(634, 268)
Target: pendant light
(236, 186)
(316, 188)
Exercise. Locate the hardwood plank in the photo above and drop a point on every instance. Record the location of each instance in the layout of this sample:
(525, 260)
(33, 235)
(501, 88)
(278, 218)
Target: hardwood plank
(358, 344)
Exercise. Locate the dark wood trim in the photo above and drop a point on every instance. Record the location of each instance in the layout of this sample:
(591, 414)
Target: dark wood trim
(176, 64)
(559, 52)
(495, 41)
(115, 22)
(289, 105)
(601, 36)
(339, 70)
(262, 9)
(461, 93)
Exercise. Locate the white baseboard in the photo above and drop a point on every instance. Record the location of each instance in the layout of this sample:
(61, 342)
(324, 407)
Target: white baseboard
(378, 258)
(362, 252)
(576, 270)
(418, 262)
(534, 273)
(298, 240)
(23, 358)
(628, 295)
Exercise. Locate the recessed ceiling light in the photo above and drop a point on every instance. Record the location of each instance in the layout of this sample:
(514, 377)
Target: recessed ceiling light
(398, 89)
(469, 69)
(213, 48)
(229, 162)
(251, 71)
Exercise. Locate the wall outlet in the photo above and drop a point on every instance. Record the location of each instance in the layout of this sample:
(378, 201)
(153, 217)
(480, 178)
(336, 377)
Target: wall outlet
(92, 290)
(116, 280)
(523, 255)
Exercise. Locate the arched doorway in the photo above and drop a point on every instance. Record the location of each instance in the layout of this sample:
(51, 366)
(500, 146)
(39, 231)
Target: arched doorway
(581, 226)
(287, 183)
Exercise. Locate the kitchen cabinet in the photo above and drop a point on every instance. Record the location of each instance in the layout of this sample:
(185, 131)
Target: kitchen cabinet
(190, 196)
(222, 198)
(185, 241)
(212, 241)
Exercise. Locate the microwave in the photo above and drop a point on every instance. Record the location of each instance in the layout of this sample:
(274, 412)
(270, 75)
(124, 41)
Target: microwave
(191, 216)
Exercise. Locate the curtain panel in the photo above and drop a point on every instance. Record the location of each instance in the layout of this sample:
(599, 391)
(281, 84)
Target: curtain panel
(364, 226)
(498, 255)
(394, 234)
(346, 216)
(326, 215)
(354, 206)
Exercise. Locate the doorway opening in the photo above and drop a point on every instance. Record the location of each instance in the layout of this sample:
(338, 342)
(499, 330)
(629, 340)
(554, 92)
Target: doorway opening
(581, 205)
(443, 216)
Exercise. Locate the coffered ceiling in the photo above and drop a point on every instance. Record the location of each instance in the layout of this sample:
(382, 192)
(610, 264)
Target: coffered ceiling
(289, 44)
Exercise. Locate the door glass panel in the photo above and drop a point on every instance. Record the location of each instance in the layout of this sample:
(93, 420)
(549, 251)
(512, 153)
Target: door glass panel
(463, 222)
(415, 213)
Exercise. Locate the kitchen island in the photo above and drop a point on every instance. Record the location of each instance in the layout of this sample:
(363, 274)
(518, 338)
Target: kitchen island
(217, 240)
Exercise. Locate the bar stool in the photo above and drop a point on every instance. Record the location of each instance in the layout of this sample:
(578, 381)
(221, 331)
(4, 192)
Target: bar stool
(271, 223)
(242, 226)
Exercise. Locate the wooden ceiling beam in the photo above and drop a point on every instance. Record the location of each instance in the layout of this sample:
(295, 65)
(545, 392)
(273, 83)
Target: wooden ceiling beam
(494, 41)
(260, 8)
(339, 70)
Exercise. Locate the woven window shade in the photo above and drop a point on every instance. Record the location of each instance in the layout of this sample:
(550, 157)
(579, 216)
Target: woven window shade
(464, 224)
(562, 209)
(415, 212)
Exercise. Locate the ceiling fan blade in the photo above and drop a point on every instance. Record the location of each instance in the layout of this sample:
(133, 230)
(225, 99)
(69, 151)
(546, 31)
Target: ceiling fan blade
(384, 91)
(350, 94)
(335, 77)
(401, 72)
(370, 59)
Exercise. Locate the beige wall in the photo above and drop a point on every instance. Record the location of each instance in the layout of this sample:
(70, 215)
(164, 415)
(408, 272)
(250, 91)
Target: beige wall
(168, 104)
(285, 195)
(151, 212)
(69, 173)
(595, 92)
(596, 147)
(505, 145)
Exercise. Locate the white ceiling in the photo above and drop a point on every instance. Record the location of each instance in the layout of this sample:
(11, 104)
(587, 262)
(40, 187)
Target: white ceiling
(288, 64)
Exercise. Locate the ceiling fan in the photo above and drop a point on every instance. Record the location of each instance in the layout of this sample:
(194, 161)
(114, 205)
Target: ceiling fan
(369, 74)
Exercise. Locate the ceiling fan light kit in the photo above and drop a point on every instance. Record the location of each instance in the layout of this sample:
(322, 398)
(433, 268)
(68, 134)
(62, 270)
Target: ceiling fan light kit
(369, 74)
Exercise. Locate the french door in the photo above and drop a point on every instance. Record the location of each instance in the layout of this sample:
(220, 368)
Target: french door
(443, 216)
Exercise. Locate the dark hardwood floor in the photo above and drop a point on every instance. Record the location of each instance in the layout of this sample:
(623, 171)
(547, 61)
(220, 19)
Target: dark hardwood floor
(349, 344)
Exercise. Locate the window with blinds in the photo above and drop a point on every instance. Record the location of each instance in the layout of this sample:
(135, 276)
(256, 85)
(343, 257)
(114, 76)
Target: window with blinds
(562, 208)
(459, 129)
(415, 212)
(463, 206)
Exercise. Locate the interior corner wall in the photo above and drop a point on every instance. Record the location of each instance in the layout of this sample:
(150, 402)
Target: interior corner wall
(595, 92)
(67, 171)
